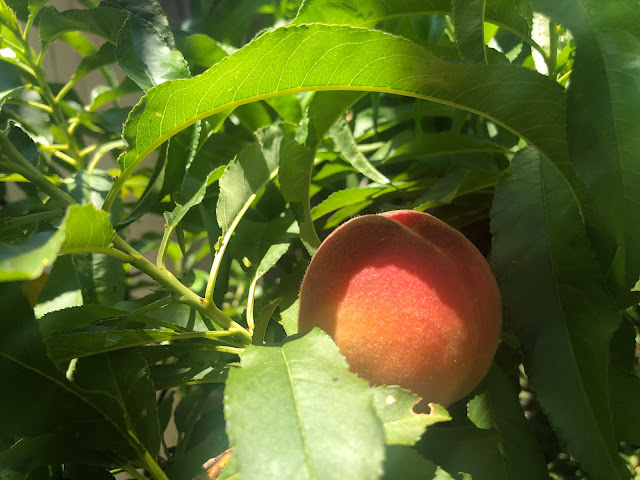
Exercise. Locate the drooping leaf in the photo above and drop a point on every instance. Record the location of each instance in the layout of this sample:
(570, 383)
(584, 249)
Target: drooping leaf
(42, 400)
(146, 57)
(102, 21)
(105, 56)
(346, 145)
(468, 20)
(247, 175)
(305, 388)
(342, 198)
(455, 183)
(552, 288)
(66, 346)
(27, 259)
(75, 318)
(496, 406)
(403, 426)
(61, 289)
(602, 128)
(513, 16)
(465, 450)
(200, 49)
(362, 12)
(183, 205)
(404, 463)
(32, 452)
(122, 378)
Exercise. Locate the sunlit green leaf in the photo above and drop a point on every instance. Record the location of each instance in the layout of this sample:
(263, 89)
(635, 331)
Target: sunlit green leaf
(28, 258)
(86, 227)
(402, 426)
(377, 62)
(305, 388)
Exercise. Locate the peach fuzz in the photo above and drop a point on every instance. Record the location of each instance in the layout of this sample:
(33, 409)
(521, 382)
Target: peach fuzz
(408, 300)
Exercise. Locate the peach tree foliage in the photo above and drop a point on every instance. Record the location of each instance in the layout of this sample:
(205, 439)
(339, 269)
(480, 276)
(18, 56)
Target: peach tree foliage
(258, 127)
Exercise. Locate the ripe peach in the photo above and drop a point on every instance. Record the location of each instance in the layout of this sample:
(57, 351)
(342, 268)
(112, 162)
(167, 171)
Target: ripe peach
(408, 300)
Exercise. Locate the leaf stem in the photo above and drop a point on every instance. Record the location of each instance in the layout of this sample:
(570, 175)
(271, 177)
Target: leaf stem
(130, 469)
(183, 293)
(153, 468)
(165, 278)
(101, 151)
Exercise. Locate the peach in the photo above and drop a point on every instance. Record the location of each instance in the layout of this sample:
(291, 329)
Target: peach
(408, 300)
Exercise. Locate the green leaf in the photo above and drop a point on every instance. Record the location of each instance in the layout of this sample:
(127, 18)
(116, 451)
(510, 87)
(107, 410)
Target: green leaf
(146, 57)
(102, 21)
(402, 426)
(496, 406)
(62, 288)
(32, 452)
(468, 20)
(122, 378)
(105, 56)
(183, 205)
(400, 149)
(8, 94)
(42, 400)
(296, 168)
(625, 392)
(8, 17)
(377, 62)
(65, 346)
(346, 145)
(602, 128)
(404, 463)
(305, 389)
(467, 450)
(454, 184)
(200, 49)
(364, 12)
(85, 227)
(351, 196)
(247, 175)
(551, 287)
(74, 318)
(514, 16)
(27, 259)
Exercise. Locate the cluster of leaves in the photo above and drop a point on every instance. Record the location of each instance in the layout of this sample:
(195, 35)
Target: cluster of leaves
(270, 123)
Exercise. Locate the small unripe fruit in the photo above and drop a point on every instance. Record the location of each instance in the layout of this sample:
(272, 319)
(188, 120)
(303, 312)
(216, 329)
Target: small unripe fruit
(408, 300)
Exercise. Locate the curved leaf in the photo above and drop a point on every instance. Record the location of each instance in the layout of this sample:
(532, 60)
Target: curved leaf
(346, 58)
(42, 400)
(402, 426)
(347, 146)
(552, 288)
(496, 406)
(468, 20)
(603, 127)
(513, 15)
